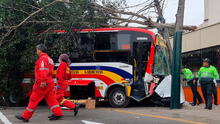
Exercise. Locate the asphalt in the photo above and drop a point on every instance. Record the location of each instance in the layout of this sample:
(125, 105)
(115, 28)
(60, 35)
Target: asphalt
(130, 115)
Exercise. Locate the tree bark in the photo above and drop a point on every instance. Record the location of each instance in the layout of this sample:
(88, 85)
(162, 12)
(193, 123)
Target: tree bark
(165, 30)
(180, 16)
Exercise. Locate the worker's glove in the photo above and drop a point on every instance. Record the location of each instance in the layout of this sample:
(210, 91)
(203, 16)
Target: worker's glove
(57, 86)
(43, 84)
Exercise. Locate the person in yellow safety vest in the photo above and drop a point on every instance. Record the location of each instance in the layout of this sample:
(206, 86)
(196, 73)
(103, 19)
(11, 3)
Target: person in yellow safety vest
(206, 76)
(189, 78)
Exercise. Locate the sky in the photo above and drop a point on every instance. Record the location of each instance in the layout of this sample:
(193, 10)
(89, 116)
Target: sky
(194, 11)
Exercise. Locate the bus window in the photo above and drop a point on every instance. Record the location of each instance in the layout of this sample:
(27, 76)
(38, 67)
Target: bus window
(112, 41)
(124, 41)
(86, 38)
(112, 56)
(105, 41)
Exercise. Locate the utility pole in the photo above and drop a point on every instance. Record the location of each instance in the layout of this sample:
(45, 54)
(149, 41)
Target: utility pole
(176, 62)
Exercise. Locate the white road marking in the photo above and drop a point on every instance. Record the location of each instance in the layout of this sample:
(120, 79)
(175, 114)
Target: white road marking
(4, 119)
(90, 122)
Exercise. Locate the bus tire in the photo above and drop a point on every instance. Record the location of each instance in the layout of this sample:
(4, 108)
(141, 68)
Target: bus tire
(118, 98)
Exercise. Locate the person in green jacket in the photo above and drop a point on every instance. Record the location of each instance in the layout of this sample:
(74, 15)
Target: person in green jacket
(189, 78)
(206, 76)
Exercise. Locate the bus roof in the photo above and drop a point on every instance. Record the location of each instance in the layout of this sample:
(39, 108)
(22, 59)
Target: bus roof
(112, 30)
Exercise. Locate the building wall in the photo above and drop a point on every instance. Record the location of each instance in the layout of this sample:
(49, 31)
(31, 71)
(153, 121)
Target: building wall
(201, 38)
(212, 10)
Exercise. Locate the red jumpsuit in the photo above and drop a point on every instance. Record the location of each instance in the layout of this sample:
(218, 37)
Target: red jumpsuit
(63, 75)
(43, 76)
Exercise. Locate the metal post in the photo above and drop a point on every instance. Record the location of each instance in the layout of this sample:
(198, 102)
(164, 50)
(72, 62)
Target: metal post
(176, 65)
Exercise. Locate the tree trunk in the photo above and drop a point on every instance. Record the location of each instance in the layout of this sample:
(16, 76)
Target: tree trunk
(180, 16)
(165, 30)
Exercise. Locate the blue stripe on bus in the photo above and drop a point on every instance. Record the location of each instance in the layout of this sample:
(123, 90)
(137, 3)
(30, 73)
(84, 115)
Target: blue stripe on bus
(120, 72)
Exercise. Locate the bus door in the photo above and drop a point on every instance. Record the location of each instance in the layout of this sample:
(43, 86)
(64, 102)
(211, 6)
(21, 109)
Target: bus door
(140, 53)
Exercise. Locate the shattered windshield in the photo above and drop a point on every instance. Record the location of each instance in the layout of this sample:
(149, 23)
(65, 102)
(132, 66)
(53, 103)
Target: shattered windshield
(162, 65)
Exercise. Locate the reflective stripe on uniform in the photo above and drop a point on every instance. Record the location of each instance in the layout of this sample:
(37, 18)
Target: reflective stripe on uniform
(54, 106)
(43, 69)
(31, 110)
(50, 61)
(206, 74)
(62, 101)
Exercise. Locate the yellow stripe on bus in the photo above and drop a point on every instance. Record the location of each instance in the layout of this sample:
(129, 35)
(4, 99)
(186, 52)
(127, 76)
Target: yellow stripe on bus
(115, 77)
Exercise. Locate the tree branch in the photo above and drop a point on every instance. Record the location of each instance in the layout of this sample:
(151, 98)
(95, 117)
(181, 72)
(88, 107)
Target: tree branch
(34, 13)
(14, 9)
(11, 28)
(147, 21)
(34, 7)
(112, 11)
(44, 22)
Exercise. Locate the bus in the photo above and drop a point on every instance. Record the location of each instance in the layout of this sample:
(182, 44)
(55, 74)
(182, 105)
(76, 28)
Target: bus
(124, 64)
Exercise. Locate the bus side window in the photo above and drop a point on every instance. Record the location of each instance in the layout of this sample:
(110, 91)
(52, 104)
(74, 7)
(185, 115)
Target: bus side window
(124, 41)
(102, 41)
(112, 56)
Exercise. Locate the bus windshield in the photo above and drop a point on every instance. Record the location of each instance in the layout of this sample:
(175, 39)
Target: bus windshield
(161, 60)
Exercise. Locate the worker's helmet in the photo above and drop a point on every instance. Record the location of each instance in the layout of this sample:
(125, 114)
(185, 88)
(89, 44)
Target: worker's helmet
(64, 57)
(207, 60)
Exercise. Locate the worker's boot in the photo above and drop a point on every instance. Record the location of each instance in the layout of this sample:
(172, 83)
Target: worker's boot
(50, 116)
(53, 117)
(209, 108)
(76, 109)
(200, 102)
(19, 117)
(192, 104)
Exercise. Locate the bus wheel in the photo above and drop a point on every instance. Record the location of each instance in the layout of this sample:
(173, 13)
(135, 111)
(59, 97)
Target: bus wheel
(118, 98)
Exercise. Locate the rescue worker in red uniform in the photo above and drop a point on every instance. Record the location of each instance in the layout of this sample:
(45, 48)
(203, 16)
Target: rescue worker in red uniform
(44, 87)
(63, 75)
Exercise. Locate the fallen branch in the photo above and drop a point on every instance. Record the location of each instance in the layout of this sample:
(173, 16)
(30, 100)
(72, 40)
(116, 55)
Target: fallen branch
(146, 21)
(11, 28)
(149, 23)
(46, 22)
(34, 13)
(6, 7)
(112, 11)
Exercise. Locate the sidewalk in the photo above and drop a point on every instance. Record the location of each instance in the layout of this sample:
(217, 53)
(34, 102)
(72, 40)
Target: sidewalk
(196, 114)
